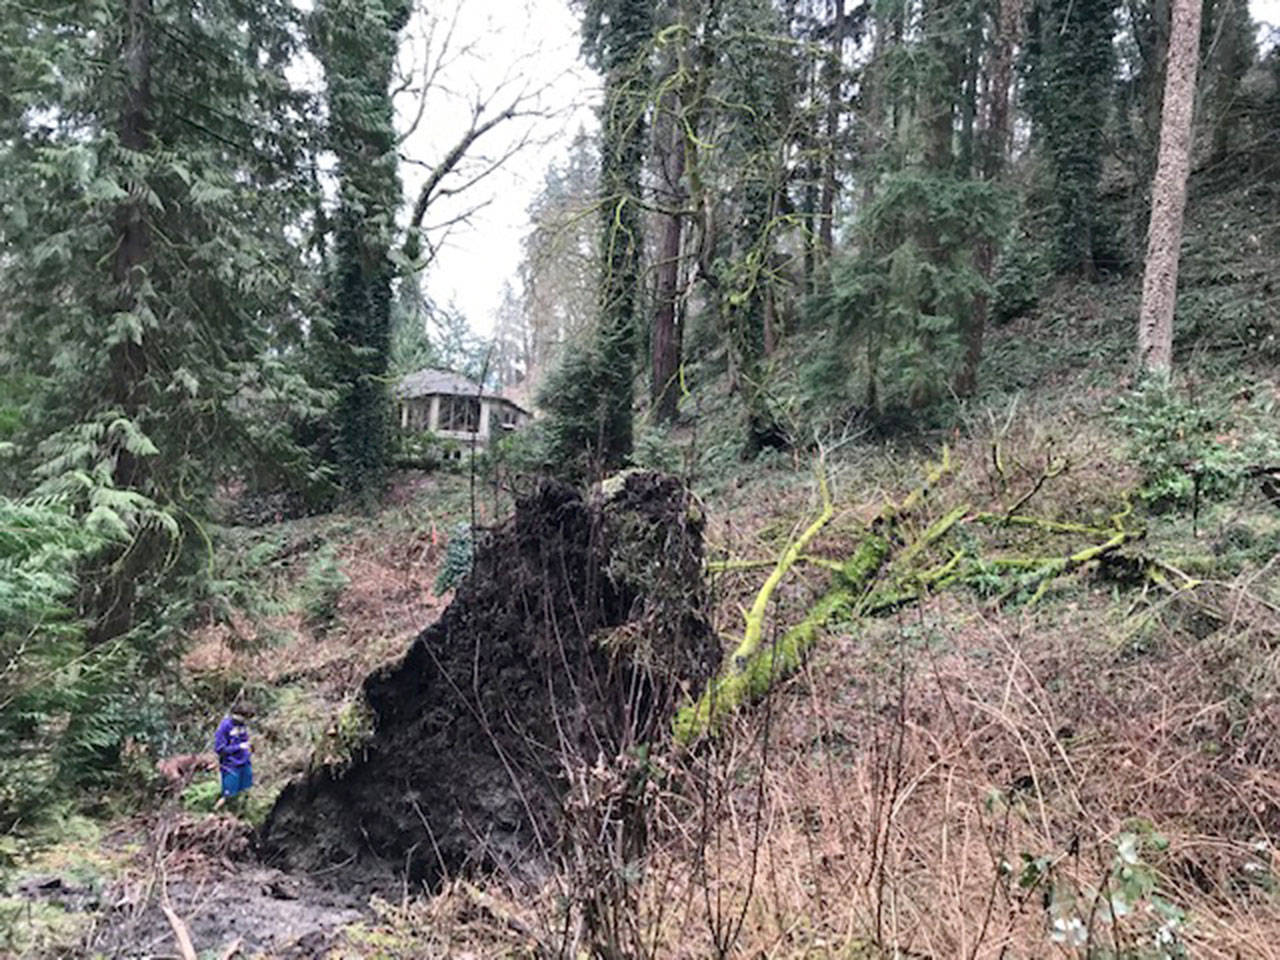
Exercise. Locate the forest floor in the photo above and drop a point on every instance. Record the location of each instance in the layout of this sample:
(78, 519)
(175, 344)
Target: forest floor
(1084, 771)
(959, 777)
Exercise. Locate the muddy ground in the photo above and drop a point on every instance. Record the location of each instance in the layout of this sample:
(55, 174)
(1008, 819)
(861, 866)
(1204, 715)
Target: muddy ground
(204, 870)
(260, 911)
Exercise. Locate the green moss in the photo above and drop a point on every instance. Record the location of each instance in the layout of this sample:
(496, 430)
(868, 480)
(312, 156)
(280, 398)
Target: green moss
(865, 561)
(746, 679)
(345, 738)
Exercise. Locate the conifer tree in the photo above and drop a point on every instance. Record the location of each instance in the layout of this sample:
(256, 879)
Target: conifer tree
(993, 122)
(355, 40)
(902, 299)
(151, 159)
(590, 397)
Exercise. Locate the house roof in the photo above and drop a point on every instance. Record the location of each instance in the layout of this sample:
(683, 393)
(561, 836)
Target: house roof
(431, 381)
(423, 383)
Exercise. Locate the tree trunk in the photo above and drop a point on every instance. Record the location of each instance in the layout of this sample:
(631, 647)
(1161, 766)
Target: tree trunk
(1169, 192)
(872, 95)
(133, 241)
(969, 106)
(809, 219)
(666, 341)
(937, 96)
(826, 223)
(992, 152)
(114, 588)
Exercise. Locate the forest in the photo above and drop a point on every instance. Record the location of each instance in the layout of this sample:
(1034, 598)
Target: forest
(889, 566)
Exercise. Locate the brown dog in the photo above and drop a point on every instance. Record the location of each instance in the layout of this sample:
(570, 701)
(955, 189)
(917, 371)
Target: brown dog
(178, 769)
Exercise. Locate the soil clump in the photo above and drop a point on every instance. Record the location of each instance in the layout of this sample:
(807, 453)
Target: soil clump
(579, 629)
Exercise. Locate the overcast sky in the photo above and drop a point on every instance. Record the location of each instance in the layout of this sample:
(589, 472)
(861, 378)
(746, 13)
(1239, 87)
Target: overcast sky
(496, 49)
(509, 45)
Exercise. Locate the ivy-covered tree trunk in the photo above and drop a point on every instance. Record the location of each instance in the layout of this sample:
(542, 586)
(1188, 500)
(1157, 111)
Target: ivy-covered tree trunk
(1072, 59)
(625, 55)
(590, 397)
(356, 41)
(1169, 193)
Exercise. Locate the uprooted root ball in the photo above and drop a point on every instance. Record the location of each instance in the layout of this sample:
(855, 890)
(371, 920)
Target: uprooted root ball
(578, 629)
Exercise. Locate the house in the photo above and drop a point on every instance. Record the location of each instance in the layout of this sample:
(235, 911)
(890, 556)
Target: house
(452, 407)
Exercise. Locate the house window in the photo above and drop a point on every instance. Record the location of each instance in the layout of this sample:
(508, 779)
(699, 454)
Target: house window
(416, 415)
(508, 418)
(460, 414)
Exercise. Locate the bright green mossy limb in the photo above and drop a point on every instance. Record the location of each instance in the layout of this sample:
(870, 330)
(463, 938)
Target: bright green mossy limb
(865, 562)
(1049, 526)
(932, 534)
(912, 586)
(1057, 567)
(893, 511)
(754, 631)
(749, 678)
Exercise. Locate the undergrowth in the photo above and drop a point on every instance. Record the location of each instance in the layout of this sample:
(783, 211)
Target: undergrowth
(1086, 776)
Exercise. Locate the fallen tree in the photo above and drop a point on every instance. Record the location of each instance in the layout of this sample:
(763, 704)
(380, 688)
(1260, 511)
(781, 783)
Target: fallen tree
(892, 566)
(567, 647)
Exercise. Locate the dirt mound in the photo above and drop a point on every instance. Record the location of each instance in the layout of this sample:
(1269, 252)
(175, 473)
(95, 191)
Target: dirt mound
(579, 627)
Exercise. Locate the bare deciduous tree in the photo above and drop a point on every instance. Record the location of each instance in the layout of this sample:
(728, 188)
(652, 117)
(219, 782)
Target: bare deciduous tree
(1169, 192)
(436, 76)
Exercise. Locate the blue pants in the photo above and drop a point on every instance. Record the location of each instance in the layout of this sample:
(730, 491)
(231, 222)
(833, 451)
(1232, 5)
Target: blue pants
(236, 779)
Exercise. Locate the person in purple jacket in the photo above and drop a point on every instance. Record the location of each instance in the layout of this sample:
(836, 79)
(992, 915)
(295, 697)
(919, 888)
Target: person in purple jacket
(231, 743)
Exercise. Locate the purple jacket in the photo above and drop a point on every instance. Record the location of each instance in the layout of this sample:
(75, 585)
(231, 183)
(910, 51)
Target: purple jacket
(232, 744)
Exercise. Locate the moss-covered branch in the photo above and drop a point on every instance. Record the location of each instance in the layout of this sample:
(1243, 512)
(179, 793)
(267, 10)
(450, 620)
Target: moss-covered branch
(1049, 526)
(755, 616)
(751, 671)
(747, 679)
(886, 573)
(895, 512)
(1039, 579)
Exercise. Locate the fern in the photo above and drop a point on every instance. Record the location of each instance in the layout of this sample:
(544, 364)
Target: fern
(41, 663)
